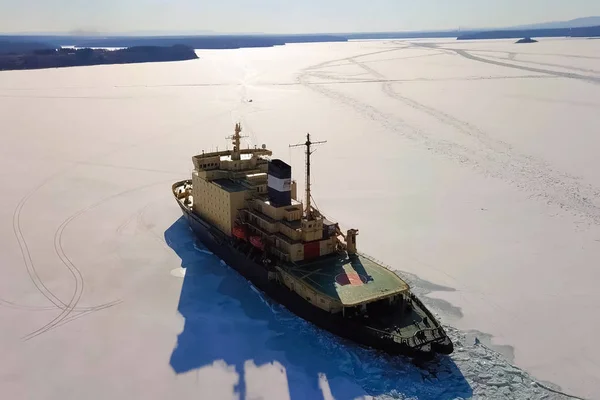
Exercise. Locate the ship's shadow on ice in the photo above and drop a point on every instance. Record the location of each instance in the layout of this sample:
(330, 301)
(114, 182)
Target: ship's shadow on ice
(227, 319)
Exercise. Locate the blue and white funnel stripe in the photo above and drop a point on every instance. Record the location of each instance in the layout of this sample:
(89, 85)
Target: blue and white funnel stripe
(279, 183)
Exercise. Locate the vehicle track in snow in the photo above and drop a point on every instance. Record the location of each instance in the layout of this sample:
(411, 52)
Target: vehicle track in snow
(70, 310)
(588, 70)
(479, 151)
(470, 56)
(61, 318)
(513, 54)
(30, 265)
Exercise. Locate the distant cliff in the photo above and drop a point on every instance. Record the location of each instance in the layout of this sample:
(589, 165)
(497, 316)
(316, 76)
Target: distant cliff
(520, 33)
(57, 58)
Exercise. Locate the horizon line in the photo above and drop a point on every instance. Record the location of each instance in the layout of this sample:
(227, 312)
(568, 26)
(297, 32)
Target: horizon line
(209, 32)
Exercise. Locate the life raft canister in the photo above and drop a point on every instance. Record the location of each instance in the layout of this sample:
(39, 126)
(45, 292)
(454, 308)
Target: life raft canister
(239, 232)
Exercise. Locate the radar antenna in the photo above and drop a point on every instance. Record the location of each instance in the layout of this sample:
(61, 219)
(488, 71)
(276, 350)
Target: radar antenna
(308, 143)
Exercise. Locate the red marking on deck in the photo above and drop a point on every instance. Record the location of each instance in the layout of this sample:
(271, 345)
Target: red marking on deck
(352, 278)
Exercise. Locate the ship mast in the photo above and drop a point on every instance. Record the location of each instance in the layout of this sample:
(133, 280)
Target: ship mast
(308, 143)
(235, 138)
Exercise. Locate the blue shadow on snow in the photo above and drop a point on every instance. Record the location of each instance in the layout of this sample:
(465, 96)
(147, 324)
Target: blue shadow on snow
(227, 319)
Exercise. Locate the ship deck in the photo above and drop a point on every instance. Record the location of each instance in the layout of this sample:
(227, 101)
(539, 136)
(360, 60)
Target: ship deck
(350, 281)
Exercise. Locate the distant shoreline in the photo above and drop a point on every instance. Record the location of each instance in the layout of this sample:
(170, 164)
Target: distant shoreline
(592, 31)
(24, 52)
(45, 58)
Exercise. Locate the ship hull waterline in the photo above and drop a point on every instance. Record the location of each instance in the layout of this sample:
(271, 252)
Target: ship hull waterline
(222, 247)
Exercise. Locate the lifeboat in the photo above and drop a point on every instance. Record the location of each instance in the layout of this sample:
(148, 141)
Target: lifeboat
(239, 232)
(257, 242)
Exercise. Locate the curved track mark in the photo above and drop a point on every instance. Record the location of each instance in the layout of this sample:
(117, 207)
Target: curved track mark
(11, 304)
(593, 71)
(488, 156)
(570, 75)
(26, 254)
(326, 63)
(148, 228)
(525, 171)
(27, 259)
(80, 314)
(515, 54)
(79, 284)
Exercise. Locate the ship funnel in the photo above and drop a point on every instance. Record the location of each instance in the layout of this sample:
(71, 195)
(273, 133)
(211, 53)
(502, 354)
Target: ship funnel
(279, 183)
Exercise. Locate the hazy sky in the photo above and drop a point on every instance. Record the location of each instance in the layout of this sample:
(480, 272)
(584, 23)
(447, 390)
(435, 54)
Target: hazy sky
(279, 16)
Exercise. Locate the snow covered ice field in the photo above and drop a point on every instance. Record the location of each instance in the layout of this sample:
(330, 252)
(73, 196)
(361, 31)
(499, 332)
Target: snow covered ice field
(469, 167)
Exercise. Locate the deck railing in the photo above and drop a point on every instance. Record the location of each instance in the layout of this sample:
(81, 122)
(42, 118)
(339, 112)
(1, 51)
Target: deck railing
(376, 261)
(420, 338)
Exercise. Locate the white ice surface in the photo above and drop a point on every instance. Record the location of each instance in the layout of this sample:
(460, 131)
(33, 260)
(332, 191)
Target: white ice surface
(472, 165)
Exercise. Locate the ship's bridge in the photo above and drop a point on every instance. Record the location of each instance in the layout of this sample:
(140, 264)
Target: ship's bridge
(230, 160)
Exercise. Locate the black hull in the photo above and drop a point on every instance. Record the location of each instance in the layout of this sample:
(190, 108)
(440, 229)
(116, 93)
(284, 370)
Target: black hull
(257, 274)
